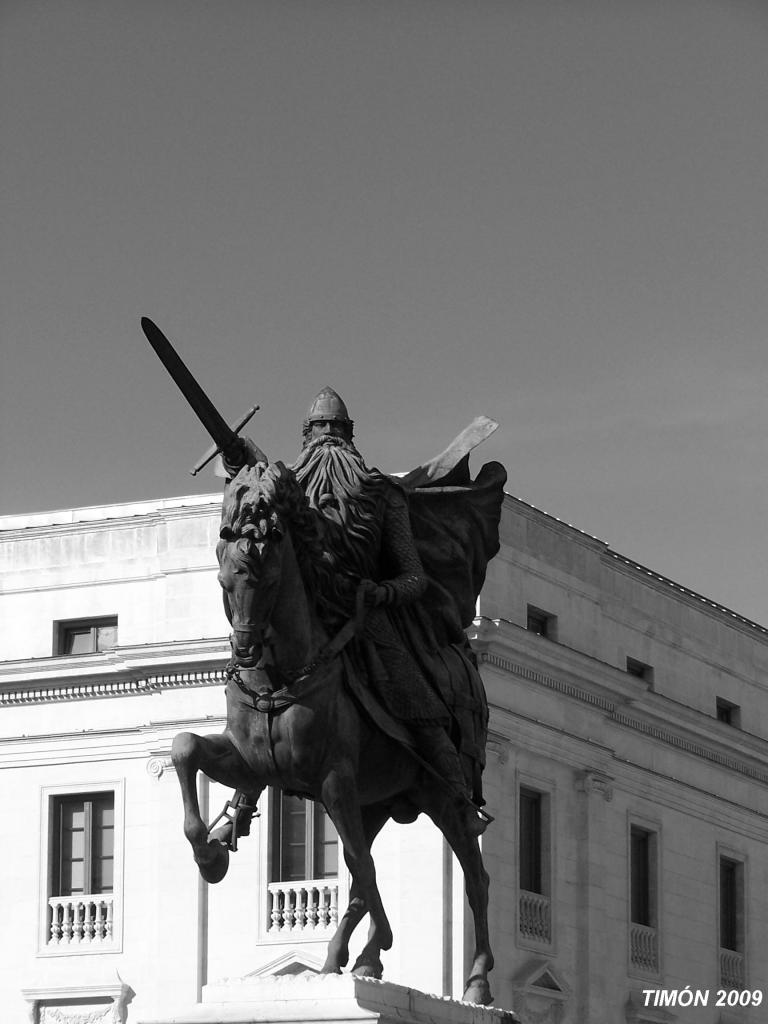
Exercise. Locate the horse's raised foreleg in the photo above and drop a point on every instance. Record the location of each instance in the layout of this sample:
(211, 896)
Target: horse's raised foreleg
(217, 758)
(339, 795)
(467, 849)
(373, 820)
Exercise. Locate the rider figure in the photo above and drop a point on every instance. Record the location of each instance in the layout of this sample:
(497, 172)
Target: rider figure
(369, 544)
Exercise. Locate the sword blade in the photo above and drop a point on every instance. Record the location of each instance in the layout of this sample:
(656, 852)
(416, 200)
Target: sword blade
(201, 404)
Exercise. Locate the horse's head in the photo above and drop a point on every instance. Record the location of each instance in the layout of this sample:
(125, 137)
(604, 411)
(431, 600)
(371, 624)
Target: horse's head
(254, 516)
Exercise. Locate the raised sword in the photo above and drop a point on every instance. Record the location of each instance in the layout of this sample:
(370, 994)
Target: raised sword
(224, 436)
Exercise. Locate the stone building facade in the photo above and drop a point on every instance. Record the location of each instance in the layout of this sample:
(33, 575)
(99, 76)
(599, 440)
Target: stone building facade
(627, 771)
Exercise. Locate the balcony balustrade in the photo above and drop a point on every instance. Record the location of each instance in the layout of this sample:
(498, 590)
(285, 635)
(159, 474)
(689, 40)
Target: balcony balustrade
(80, 920)
(732, 974)
(644, 948)
(535, 917)
(308, 906)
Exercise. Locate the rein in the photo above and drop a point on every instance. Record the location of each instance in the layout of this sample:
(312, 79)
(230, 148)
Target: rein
(270, 701)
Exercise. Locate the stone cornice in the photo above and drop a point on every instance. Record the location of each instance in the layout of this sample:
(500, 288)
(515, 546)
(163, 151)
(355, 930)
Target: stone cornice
(89, 518)
(124, 672)
(543, 679)
(746, 754)
(639, 572)
(545, 519)
(107, 743)
(740, 811)
(35, 586)
(120, 688)
(691, 746)
(667, 586)
(590, 680)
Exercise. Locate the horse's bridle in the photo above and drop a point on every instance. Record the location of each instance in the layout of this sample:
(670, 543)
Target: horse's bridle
(267, 699)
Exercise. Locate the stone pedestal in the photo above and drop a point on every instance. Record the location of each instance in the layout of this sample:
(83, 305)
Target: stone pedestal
(329, 998)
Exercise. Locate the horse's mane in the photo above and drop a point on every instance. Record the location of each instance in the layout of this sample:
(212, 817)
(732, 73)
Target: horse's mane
(262, 500)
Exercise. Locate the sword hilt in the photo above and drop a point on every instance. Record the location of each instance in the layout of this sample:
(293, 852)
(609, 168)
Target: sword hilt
(215, 449)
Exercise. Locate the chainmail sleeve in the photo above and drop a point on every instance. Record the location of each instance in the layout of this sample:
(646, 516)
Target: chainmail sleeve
(408, 581)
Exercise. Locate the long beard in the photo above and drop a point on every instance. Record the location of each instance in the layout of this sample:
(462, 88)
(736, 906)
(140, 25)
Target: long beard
(340, 486)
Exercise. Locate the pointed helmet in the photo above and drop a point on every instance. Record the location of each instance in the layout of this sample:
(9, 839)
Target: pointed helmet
(327, 405)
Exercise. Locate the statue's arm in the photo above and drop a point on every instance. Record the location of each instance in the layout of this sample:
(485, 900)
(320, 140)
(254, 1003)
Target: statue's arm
(399, 551)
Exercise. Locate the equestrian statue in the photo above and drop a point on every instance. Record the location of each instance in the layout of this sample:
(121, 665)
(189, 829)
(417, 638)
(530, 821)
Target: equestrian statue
(351, 680)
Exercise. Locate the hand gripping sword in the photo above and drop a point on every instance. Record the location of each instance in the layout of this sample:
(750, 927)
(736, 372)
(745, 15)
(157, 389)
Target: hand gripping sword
(224, 435)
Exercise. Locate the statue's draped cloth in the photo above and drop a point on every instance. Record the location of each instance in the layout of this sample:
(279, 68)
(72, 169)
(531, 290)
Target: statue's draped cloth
(455, 525)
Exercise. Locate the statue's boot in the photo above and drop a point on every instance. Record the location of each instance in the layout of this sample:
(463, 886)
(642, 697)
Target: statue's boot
(434, 745)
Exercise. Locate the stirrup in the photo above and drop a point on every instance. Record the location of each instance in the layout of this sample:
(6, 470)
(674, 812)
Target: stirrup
(483, 818)
(232, 812)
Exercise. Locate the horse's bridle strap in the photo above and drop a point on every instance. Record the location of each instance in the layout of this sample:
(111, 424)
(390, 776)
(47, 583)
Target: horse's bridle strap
(272, 701)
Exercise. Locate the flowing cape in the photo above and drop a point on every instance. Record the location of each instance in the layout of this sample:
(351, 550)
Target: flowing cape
(455, 524)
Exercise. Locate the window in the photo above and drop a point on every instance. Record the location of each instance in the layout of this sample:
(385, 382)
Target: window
(304, 889)
(643, 900)
(728, 712)
(84, 845)
(729, 901)
(640, 670)
(731, 905)
(79, 905)
(530, 841)
(640, 876)
(85, 636)
(305, 843)
(541, 623)
(533, 867)
(732, 922)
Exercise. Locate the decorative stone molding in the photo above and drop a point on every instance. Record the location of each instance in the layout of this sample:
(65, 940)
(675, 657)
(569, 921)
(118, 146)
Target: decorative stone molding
(159, 763)
(618, 715)
(498, 747)
(292, 962)
(636, 1012)
(551, 682)
(60, 1005)
(133, 687)
(682, 743)
(535, 1010)
(595, 782)
(56, 1015)
(540, 994)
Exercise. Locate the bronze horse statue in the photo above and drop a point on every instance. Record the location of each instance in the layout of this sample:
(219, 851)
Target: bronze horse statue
(293, 723)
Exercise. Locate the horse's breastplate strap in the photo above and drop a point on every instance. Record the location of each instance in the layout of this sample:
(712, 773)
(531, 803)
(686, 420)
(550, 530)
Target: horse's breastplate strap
(268, 702)
(265, 699)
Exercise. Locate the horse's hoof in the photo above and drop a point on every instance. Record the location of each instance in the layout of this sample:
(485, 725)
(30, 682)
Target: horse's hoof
(215, 864)
(368, 969)
(335, 961)
(478, 991)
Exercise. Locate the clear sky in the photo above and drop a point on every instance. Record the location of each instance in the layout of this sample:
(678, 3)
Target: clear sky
(554, 213)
